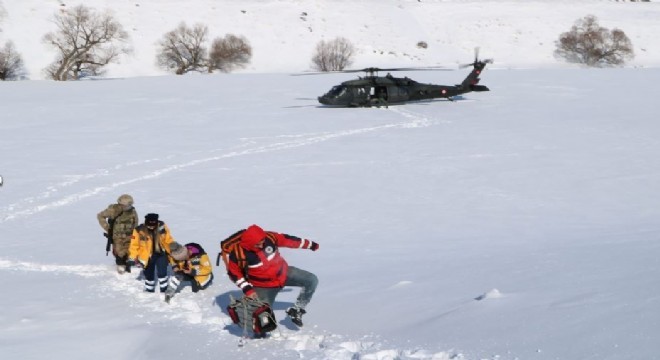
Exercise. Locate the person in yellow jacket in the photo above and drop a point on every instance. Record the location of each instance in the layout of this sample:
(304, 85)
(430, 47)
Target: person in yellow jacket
(190, 263)
(150, 247)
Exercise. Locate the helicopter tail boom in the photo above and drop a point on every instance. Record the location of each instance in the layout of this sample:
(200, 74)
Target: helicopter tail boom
(472, 80)
(479, 88)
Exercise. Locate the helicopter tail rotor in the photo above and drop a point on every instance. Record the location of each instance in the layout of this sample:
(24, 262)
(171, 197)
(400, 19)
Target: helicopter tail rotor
(476, 60)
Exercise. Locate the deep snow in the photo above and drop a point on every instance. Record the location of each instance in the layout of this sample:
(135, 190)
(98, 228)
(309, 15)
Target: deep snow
(519, 223)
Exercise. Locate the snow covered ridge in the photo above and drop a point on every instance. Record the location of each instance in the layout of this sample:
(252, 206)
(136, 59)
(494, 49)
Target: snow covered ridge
(283, 34)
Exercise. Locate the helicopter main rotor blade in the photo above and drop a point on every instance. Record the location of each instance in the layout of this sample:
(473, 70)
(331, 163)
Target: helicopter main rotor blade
(371, 70)
(336, 72)
(313, 73)
(419, 68)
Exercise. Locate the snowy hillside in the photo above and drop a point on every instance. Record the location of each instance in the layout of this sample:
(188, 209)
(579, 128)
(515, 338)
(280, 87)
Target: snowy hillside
(515, 224)
(283, 34)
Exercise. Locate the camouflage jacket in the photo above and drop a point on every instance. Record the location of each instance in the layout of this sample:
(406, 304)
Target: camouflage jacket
(124, 221)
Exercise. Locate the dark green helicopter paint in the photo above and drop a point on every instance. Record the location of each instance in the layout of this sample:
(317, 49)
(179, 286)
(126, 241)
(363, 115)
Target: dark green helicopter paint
(373, 90)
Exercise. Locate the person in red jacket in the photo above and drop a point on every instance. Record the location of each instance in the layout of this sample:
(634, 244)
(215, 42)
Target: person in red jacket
(265, 272)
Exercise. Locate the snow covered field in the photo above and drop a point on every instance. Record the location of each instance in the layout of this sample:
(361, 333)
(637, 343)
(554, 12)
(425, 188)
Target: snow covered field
(520, 223)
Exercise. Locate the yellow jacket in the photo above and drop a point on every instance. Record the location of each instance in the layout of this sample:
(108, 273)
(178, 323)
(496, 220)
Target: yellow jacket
(198, 263)
(143, 244)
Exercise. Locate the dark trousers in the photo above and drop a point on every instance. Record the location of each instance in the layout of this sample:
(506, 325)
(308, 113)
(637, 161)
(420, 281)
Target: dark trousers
(178, 281)
(121, 260)
(157, 266)
(294, 277)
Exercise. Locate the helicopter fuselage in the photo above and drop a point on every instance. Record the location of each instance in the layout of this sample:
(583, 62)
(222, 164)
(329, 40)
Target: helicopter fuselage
(383, 90)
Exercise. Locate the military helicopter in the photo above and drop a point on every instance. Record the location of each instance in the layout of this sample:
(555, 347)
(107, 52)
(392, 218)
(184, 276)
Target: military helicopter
(374, 90)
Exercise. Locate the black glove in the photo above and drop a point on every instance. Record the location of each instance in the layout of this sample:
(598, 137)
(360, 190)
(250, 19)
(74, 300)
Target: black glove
(130, 262)
(314, 246)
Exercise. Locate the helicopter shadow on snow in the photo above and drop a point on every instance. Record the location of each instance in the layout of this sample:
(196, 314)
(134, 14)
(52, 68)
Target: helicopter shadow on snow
(303, 106)
(428, 102)
(457, 98)
(223, 300)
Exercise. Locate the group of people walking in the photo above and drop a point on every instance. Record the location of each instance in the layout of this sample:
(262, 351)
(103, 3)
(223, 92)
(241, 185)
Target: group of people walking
(150, 245)
(261, 274)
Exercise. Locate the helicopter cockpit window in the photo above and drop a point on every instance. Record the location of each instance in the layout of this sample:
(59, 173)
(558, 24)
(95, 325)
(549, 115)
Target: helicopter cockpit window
(337, 90)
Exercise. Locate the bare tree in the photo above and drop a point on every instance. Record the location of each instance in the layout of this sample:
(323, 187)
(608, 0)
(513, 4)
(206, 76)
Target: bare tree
(333, 55)
(3, 13)
(229, 53)
(591, 44)
(85, 41)
(182, 49)
(11, 63)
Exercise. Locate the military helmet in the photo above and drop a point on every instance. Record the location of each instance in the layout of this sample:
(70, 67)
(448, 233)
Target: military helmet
(125, 200)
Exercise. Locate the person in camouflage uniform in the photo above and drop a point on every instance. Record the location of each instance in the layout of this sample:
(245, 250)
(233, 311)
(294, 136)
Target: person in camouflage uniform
(118, 222)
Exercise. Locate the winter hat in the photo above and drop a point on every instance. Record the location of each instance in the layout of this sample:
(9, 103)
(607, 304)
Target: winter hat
(192, 250)
(151, 219)
(252, 235)
(178, 252)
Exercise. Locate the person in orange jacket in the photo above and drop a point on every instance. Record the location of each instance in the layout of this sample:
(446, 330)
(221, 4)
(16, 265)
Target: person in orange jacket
(150, 247)
(266, 272)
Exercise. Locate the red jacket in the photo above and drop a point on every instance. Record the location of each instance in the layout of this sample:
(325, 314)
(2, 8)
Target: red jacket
(265, 267)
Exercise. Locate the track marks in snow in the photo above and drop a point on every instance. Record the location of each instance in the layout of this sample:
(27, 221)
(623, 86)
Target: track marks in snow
(80, 270)
(50, 199)
(416, 120)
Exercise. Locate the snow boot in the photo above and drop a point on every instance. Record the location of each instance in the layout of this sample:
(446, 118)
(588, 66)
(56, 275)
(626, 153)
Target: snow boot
(258, 335)
(296, 313)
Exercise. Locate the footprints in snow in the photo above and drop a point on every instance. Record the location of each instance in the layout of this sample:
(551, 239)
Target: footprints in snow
(194, 310)
(51, 198)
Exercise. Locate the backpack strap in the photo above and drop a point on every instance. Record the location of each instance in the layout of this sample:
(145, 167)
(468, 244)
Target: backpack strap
(232, 245)
(271, 236)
